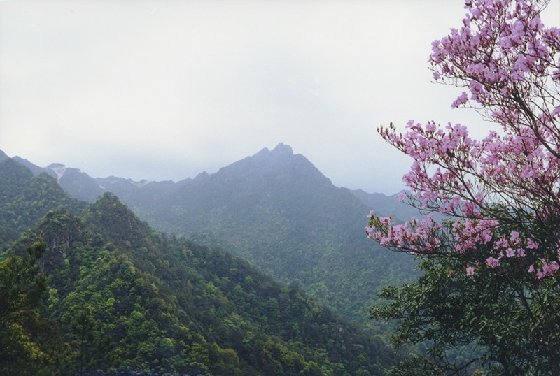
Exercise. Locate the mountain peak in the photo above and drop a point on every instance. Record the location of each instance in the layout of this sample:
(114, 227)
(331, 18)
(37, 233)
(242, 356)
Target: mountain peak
(283, 149)
(280, 164)
(279, 150)
(115, 220)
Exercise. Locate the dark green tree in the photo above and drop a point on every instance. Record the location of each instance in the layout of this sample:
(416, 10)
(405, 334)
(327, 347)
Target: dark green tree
(487, 321)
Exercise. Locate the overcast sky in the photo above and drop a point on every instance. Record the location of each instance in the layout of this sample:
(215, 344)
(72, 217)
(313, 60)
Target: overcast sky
(166, 89)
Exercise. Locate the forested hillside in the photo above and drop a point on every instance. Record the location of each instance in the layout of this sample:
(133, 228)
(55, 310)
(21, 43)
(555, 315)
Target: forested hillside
(100, 290)
(25, 198)
(276, 210)
(279, 212)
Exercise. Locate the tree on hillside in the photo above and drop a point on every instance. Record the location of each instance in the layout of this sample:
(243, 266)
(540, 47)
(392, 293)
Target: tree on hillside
(29, 344)
(491, 280)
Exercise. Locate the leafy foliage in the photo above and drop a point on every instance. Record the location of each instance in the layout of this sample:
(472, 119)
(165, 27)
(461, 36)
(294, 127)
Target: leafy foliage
(28, 342)
(515, 322)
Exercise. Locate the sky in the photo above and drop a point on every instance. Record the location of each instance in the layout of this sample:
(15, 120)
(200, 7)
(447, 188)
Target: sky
(166, 89)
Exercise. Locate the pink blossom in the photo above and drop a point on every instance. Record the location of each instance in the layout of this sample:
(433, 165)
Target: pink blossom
(461, 99)
(497, 191)
(531, 244)
(492, 262)
(510, 252)
(547, 269)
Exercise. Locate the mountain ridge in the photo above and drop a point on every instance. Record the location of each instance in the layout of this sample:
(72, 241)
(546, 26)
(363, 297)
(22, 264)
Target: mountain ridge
(281, 153)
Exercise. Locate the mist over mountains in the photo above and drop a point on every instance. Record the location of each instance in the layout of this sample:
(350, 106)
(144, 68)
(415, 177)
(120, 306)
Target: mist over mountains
(274, 209)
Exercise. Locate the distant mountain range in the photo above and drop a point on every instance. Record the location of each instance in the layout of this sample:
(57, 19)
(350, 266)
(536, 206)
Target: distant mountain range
(276, 210)
(384, 205)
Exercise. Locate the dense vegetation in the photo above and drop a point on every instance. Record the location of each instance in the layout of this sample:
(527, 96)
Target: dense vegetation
(276, 210)
(25, 198)
(100, 290)
(491, 322)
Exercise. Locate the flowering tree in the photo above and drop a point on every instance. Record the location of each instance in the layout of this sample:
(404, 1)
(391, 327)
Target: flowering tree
(499, 197)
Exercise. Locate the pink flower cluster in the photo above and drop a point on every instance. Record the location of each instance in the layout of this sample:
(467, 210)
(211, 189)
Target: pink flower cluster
(414, 236)
(508, 183)
(501, 46)
(469, 234)
(547, 268)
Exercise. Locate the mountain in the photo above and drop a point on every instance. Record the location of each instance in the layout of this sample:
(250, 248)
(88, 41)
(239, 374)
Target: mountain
(121, 297)
(75, 182)
(279, 212)
(36, 170)
(82, 186)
